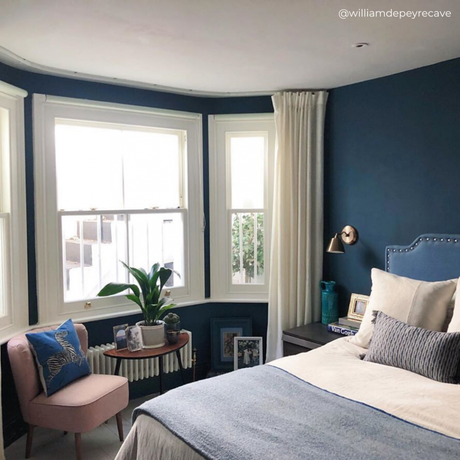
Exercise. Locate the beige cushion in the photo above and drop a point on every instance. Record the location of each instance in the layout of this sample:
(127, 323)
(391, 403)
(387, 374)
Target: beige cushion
(418, 303)
(454, 325)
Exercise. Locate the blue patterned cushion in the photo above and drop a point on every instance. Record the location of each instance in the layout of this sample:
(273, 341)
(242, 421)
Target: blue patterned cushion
(435, 355)
(59, 357)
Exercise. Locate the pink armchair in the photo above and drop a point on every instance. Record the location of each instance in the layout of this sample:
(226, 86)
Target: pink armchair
(79, 407)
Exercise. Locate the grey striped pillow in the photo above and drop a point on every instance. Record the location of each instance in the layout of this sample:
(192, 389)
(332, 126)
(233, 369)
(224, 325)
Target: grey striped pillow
(435, 355)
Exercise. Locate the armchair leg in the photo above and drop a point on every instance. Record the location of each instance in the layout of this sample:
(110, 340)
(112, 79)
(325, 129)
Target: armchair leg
(30, 437)
(120, 426)
(78, 445)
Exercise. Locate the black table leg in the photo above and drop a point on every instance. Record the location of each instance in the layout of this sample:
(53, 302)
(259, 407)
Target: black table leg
(180, 366)
(160, 359)
(117, 367)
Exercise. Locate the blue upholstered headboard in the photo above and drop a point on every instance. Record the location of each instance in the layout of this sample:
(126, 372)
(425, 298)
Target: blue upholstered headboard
(431, 257)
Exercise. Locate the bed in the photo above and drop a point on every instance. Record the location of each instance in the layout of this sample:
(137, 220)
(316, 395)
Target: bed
(326, 403)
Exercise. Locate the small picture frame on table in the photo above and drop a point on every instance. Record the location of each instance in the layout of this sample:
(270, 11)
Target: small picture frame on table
(248, 352)
(358, 306)
(119, 336)
(223, 332)
(134, 338)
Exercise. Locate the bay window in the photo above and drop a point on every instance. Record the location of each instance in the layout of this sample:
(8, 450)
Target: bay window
(114, 183)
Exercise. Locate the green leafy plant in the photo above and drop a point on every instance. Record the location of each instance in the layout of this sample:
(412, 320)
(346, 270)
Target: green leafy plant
(147, 294)
(245, 246)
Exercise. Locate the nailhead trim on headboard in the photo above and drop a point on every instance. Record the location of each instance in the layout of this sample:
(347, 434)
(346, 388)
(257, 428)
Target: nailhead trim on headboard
(419, 240)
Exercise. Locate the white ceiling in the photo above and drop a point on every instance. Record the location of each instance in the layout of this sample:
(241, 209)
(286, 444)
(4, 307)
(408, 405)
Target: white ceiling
(224, 46)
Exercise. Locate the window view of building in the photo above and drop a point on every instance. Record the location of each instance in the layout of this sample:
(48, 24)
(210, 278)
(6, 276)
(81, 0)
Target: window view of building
(119, 190)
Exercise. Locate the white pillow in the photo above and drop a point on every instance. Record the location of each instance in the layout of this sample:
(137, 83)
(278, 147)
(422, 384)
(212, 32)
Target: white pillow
(450, 312)
(414, 302)
(454, 325)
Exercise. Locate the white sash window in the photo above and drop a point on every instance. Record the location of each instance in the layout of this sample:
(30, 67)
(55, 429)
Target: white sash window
(241, 177)
(13, 241)
(114, 183)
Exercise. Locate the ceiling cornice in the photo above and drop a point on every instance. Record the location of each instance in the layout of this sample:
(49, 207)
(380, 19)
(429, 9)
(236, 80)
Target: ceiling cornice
(9, 58)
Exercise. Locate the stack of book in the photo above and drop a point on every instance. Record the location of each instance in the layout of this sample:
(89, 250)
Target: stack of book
(344, 326)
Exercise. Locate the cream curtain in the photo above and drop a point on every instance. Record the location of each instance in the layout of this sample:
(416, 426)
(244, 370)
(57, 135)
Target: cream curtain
(297, 226)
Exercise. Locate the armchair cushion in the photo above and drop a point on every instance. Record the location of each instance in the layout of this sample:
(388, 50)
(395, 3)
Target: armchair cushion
(82, 405)
(59, 357)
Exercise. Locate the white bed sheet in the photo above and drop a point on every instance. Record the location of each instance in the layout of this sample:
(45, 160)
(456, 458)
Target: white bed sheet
(150, 440)
(337, 368)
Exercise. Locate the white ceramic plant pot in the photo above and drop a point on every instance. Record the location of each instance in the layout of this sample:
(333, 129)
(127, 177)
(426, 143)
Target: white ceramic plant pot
(152, 336)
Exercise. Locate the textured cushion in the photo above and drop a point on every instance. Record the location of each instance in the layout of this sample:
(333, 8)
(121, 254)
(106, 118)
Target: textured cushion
(59, 357)
(418, 303)
(435, 355)
(82, 405)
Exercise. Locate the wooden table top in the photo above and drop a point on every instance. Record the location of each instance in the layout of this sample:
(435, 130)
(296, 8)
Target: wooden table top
(149, 352)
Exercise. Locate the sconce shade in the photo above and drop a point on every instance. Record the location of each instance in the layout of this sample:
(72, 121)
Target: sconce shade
(336, 245)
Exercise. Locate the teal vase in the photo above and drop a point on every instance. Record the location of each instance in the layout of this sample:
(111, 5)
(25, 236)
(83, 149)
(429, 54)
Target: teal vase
(329, 302)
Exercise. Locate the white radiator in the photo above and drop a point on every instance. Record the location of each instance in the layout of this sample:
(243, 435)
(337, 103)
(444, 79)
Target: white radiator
(137, 369)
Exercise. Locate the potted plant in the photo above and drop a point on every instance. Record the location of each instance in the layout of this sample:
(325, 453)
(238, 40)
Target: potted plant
(148, 296)
(172, 324)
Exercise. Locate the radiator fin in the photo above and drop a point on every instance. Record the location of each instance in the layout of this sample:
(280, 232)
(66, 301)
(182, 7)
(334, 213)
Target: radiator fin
(137, 369)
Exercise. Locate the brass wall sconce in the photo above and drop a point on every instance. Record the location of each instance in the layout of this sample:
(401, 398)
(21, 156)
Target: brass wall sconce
(349, 235)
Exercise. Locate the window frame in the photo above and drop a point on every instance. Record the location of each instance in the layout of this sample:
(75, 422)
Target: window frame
(13, 210)
(242, 125)
(46, 109)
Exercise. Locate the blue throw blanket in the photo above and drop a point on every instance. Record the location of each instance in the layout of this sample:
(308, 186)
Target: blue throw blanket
(267, 413)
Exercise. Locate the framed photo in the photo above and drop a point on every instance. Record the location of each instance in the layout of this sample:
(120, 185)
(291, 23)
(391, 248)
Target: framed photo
(248, 352)
(358, 305)
(134, 338)
(223, 333)
(119, 336)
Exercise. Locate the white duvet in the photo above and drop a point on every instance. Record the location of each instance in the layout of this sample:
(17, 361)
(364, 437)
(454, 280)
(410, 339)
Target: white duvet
(337, 368)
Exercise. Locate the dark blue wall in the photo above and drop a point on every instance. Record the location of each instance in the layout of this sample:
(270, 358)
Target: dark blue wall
(195, 318)
(392, 166)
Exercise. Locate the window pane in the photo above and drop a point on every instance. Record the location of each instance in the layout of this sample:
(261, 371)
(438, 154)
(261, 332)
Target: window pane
(109, 168)
(92, 249)
(88, 167)
(151, 170)
(158, 238)
(247, 248)
(3, 265)
(4, 159)
(247, 167)
(4, 207)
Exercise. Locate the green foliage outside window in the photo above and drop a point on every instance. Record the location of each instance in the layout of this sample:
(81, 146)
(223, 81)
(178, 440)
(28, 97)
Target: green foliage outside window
(247, 223)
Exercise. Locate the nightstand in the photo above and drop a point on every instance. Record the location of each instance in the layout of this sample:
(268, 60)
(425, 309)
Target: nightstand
(306, 338)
